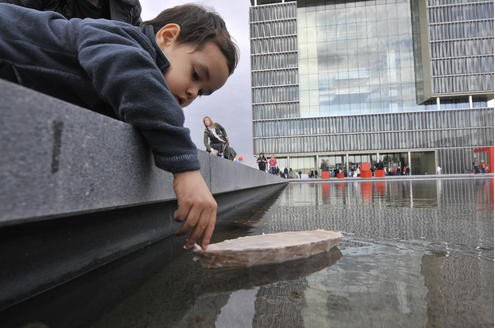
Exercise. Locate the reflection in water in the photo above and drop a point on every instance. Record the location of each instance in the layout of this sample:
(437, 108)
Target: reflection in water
(415, 254)
(441, 211)
(230, 279)
(254, 288)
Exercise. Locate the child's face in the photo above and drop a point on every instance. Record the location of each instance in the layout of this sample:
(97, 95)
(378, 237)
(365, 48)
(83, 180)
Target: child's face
(192, 71)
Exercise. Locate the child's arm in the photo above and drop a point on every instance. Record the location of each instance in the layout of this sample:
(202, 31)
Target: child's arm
(197, 208)
(129, 80)
(206, 141)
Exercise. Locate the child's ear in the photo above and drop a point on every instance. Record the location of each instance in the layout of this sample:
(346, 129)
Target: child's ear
(167, 35)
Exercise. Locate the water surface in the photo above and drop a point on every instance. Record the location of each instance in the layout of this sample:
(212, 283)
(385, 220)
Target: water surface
(415, 254)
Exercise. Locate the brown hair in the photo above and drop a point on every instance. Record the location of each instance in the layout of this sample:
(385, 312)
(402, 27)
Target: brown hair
(211, 121)
(199, 26)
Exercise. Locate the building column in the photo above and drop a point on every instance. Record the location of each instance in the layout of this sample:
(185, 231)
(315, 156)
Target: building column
(317, 162)
(347, 163)
(409, 162)
(438, 103)
(436, 160)
(471, 102)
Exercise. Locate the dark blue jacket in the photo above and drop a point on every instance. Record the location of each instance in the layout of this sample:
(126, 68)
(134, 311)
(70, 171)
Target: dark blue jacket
(108, 66)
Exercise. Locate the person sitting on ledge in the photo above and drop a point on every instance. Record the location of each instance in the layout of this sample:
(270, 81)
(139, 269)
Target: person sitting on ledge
(140, 75)
(215, 137)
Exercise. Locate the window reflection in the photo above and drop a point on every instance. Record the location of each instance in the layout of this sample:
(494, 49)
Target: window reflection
(358, 59)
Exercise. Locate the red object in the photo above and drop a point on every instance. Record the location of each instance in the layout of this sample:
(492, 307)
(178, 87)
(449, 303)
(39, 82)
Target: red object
(488, 150)
(379, 173)
(325, 174)
(381, 188)
(340, 175)
(365, 174)
(365, 171)
(241, 158)
(325, 190)
(366, 191)
(365, 166)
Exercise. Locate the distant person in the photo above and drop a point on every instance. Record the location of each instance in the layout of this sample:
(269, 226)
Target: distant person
(286, 173)
(215, 137)
(261, 161)
(272, 162)
(141, 75)
(128, 11)
(476, 164)
(324, 165)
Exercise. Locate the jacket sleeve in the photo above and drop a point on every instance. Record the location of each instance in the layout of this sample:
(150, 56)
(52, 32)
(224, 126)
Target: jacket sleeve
(129, 79)
(206, 140)
(224, 133)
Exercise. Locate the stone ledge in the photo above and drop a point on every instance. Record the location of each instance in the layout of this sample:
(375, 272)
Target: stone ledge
(80, 190)
(60, 160)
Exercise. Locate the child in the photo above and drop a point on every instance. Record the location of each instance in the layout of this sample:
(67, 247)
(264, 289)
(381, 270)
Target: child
(141, 75)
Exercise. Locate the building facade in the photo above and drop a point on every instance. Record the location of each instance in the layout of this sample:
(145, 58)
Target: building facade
(405, 82)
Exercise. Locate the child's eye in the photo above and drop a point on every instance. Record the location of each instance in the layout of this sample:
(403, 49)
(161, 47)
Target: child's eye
(195, 75)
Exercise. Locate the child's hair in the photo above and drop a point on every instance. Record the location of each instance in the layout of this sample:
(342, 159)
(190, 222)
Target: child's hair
(199, 26)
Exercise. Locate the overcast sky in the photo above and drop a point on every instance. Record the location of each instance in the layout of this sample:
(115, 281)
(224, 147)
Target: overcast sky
(231, 105)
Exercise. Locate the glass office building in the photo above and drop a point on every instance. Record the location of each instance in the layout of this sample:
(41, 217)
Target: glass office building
(406, 82)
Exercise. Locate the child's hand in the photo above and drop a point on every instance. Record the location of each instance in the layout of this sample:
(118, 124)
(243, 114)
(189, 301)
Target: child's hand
(197, 207)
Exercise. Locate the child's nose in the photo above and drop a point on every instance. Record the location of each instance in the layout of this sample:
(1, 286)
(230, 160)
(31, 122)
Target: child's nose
(192, 92)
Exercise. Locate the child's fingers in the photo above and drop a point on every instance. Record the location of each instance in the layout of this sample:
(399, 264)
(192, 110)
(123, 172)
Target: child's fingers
(181, 213)
(176, 216)
(209, 230)
(202, 226)
(190, 221)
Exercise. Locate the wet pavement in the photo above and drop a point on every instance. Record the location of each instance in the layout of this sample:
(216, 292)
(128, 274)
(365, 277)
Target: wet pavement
(416, 253)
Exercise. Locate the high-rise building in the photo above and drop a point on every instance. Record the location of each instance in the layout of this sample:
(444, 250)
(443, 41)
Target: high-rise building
(406, 82)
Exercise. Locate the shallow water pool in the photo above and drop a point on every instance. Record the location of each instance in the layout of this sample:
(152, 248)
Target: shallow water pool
(416, 253)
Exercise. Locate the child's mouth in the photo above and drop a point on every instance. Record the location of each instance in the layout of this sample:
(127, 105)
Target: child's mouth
(179, 100)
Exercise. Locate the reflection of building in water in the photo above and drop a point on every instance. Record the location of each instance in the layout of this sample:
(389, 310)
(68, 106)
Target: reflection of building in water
(455, 217)
(455, 287)
(280, 304)
(479, 192)
(386, 285)
(364, 293)
(392, 193)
